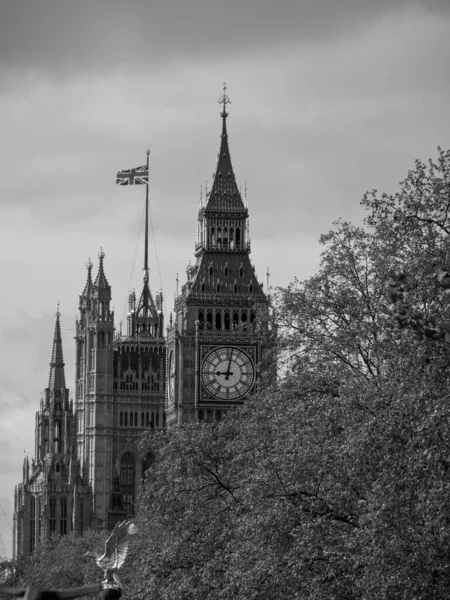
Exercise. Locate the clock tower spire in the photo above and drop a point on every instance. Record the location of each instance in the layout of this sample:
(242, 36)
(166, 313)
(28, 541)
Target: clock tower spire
(214, 344)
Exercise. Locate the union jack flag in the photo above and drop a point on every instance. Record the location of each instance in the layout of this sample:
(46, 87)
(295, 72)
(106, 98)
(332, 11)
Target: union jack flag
(137, 176)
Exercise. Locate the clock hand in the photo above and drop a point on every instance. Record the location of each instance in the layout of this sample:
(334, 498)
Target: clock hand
(228, 373)
(225, 373)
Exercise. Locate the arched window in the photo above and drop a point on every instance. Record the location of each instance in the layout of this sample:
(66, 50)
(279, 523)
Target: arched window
(121, 419)
(235, 288)
(252, 317)
(39, 516)
(147, 419)
(226, 271)
(201, 319)
(226, 320)
(209, 319)
(136, 419)
(203, 287)
(142, 420)
(32, 523)
(157, 420)
(238, 237)
(52, 520)
(218, 287)
(57, 436)
(218, 319)
(127, 477)
(235, 319)
(126, 419)
(250, 288)
(225, 237)
(63, 515)
(244, 316)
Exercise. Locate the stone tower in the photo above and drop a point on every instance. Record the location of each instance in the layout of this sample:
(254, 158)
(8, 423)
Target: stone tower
(53, 496)
(120, 391)
(214, 341)
(94, 388)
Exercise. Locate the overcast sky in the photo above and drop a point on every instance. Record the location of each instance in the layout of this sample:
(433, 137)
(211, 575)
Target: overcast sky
(329, 98)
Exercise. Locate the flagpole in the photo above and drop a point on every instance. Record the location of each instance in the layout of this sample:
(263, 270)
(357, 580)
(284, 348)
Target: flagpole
(146, 219)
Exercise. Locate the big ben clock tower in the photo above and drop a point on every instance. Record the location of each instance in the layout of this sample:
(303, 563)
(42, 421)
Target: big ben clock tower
(214, 341)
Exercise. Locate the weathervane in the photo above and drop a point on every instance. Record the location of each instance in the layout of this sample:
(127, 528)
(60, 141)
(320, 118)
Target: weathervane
(224, 100)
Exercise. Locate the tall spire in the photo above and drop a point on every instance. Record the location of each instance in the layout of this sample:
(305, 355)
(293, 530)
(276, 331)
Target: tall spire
(224, 194)
(57, 380)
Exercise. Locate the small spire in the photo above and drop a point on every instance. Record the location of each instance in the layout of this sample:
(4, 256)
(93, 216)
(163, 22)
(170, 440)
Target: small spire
(88, 286)
(100, 280)
(57, 379)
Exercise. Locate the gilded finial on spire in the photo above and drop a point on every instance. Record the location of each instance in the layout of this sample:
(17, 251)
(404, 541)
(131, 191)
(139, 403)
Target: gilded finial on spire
(89, 264)
(101, 254)
(57, 310)
(224, 100)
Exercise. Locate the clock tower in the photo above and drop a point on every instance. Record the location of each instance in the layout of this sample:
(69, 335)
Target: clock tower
(214, 340)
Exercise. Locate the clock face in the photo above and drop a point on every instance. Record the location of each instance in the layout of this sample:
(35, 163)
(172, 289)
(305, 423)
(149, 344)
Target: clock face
(172, 376)
(228, 373)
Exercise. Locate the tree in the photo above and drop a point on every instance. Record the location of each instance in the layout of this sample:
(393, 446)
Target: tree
(416, 222)
(335, 482)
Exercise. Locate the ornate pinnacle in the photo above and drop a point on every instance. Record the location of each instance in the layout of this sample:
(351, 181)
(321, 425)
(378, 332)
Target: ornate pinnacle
(224, 100)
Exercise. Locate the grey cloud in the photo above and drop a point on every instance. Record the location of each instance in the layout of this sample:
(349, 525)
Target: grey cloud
(61, 37)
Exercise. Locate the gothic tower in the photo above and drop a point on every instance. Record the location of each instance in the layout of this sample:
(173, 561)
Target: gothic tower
(94, 388)
(214, 341)
(53, 497)
(120, 382)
